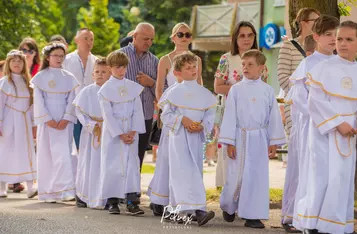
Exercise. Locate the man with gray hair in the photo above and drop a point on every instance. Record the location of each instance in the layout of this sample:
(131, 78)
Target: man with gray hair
(142, 69)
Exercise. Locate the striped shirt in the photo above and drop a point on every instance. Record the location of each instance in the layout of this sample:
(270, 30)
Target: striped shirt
(288, 60)
(146, 64)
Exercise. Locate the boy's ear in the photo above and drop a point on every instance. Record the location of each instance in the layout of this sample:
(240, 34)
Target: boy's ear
(316, 37)
(176, 73)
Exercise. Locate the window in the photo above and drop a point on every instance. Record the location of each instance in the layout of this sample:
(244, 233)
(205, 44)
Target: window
(279, 3)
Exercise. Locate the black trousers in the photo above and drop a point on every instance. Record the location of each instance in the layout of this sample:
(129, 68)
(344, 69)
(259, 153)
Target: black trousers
(144, 141)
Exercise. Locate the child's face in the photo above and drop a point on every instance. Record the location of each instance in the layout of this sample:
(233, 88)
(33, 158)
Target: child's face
(326, 42)
(56, 58)
(118, 71)
(16, 65)
(251, 70)
(188, 72)
(101, 74)
(347, 43)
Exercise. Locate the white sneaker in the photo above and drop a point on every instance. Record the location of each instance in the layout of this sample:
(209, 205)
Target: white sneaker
(67, 199)
(3, 195)
(211, 163)
(50, 201)
(32, 194)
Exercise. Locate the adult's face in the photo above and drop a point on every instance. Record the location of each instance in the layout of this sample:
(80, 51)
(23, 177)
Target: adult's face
(143, 39)
(245, 39)
(308, 23)
(85, 40)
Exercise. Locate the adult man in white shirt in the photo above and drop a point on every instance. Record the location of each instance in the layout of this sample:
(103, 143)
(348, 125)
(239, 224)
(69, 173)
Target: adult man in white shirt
(81, 63)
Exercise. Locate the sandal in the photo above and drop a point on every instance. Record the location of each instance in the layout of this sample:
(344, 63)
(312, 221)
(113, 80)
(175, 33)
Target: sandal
(289, 228)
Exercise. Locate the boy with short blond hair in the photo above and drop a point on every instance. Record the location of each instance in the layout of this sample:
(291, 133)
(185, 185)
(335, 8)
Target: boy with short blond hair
(252, 128)
(89, 115)
(123, 117)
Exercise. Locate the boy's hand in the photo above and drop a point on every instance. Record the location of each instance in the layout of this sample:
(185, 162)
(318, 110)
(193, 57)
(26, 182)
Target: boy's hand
(272, 151)
(132, 134)
(62, 124)
(126, 139)
(195, 128)
(52, 124)
(187, 123)
(345, 129)
(231, 150)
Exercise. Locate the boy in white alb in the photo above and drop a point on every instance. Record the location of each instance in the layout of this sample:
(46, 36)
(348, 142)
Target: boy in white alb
(89, 114)
(189, 112)
(252, 128)
(159, 186)
(332, 106)
(324, 33)
(16, 117)
(123, 116)
(54, 116)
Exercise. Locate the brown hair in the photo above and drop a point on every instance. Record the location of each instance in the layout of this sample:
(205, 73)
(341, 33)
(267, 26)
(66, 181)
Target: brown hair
(181, 59)
(2, 63)
(234, 45)
(46, 53)
(349, 24)
(32, 45)
(259, 56)
(325, 23)
(117, 59)
(309, 44)
(24, 73)
(303, 15)
(100, 61)
(58, 38)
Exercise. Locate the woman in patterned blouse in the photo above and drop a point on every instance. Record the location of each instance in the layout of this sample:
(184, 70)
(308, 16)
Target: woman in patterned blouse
(229, 72)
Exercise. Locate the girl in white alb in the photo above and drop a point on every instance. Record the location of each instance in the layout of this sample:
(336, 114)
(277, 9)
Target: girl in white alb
(16, 138)
(54, 115)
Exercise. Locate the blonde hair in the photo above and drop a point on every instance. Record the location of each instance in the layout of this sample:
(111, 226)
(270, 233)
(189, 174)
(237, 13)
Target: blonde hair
(117, 58)
(24, 73)
(177, 27)
(259, 56)
(181, 59)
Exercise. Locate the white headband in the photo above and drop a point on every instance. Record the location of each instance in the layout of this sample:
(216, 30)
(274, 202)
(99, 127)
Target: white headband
(14, 53)
(53, 45)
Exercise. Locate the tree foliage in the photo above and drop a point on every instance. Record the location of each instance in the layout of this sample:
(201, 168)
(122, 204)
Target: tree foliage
(28, 18)
(106, 30)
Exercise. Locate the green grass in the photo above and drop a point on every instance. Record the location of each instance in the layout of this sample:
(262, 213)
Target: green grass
(147, 169)
(276, 195)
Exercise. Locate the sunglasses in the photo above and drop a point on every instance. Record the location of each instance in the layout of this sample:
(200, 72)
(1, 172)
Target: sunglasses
(25, 51)
(181, 35)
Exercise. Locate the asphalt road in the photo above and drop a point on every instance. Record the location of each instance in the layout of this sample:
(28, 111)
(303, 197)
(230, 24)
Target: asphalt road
(21, 215)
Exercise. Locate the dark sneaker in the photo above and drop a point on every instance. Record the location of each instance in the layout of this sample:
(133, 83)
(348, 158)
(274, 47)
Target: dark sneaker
(157, 210)
(203, 217)
(80, 203)
(254, 223)
(229, 218)
(134, 209)
(114, 209)
(18, 188)
(310, 231)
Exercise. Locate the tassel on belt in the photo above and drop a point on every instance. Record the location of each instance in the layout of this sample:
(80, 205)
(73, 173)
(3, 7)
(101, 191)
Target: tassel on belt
(97, 132)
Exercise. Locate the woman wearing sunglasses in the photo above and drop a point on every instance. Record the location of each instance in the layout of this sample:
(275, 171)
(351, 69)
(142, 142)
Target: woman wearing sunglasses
(29, 47)
(158, 191)
(181, 36)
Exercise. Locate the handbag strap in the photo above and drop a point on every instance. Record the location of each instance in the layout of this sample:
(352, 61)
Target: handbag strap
(298, 47)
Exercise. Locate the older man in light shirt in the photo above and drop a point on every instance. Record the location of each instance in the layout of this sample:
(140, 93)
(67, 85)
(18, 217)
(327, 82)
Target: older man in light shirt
(81, 63)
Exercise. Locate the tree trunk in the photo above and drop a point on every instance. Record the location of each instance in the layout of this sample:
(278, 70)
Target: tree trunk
(326, 7)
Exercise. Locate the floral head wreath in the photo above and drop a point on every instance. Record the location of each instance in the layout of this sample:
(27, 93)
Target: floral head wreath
(15, 53)
(53, 45)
